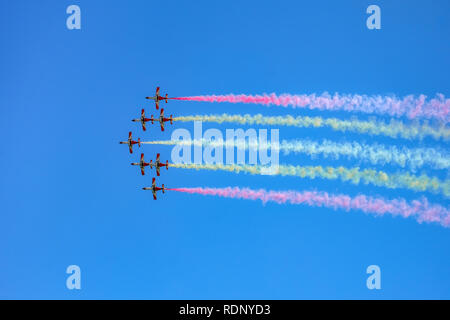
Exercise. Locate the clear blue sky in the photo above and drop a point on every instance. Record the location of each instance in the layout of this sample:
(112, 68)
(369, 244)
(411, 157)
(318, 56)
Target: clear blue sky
(69, 196)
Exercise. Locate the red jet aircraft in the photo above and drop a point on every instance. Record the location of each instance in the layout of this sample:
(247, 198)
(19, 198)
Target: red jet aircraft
(157, 98)
(142, 164)
(143, 119)
(154, 188)
(158, 164)
(130, 142)
(162, 119)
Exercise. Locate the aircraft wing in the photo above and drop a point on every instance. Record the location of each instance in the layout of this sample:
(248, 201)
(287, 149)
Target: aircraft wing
(157, 171)
(143, 126)
(162, 125)
(142, 157)
(158, 155)
(131, 148)
(157, 91)
(154, 194)
(142, 171)
(157, 104)
(129, 135)
(153, 182)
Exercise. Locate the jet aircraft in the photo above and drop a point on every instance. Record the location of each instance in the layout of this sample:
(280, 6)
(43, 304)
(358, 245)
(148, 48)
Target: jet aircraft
(142, 164)
(154, 188)
(130, 142)
(158, 164)
(162, 119)
(143, 119)
(157, 98)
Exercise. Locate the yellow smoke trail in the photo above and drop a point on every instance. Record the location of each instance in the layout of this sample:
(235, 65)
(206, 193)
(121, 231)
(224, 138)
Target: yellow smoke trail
(353, 175)
(393, 129)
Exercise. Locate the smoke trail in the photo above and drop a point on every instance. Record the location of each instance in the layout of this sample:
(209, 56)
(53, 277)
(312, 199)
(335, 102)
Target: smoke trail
(421, 209)
(393, 129)
(410, 106)
(375, 154)
(353, 175)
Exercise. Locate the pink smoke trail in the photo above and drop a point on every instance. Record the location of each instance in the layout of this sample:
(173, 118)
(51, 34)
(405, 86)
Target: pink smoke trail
(421, 209)
(410, 106)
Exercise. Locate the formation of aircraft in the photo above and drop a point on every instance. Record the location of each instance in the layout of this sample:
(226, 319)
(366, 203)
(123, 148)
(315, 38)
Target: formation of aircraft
(130, 142)
(157, 164)
(161, 119)
(154, 188)
(157, 97)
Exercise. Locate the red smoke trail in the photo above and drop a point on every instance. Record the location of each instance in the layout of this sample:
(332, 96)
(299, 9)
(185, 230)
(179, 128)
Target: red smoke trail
(410, 106)
(421, 210)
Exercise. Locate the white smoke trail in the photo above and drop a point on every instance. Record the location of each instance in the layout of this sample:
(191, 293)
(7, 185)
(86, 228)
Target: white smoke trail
(375, 154)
